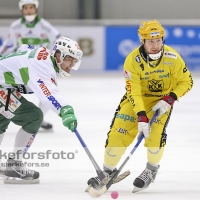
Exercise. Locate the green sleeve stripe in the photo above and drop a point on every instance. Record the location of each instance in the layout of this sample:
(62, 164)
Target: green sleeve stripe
(46, 40)
(9, 78)
(24, 74)
(31, 41)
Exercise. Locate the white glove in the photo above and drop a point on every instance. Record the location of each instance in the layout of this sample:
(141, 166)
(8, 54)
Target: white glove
(143, 126)
(163, 105)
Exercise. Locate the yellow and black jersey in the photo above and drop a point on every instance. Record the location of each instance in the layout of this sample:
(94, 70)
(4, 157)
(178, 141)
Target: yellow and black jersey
(148, 81)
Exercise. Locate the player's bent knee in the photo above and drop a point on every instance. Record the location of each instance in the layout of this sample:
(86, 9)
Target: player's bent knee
(111, 151)
(36, 120)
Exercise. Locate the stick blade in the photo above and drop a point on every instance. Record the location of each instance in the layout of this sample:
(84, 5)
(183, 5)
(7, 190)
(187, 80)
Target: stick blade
(100, 191)
(96, 192)
(10, 180)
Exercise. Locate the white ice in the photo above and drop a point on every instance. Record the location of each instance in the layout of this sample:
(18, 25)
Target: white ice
(95, 99)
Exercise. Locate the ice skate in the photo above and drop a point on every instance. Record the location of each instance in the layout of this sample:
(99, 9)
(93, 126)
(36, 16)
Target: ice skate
(96, 183)
(97, 187)
(145, 178)
(17, 173)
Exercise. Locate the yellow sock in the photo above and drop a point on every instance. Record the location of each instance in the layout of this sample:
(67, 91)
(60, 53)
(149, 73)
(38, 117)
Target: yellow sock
(112, 155)
(154, 155)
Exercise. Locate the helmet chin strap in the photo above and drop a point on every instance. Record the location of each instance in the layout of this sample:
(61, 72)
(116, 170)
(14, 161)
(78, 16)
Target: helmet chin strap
(62, 73)
(30, 18)
(154, 56)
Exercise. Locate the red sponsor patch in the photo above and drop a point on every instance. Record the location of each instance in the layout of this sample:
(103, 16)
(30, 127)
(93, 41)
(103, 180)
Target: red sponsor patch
(42, 55)
(127, 74)
(4, 96)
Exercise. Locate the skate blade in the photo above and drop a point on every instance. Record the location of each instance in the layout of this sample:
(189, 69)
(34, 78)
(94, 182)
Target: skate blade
(11, 180)
(137, 189)
(96, 192)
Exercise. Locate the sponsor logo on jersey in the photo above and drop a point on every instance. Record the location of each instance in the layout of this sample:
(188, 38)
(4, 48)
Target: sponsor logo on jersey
(145, 78)
(163, 140)
(29, 33)
(142, 67)
(17, 94)
(30, 47)
(168, 63)
(169, 54)
(185, 69)
(128, 89)
(155, 71)
(43, 35)
(131, 99)
(7, 114)
(42, 55)
(122, 130)
(127, 74)
(164, 76)
(125, 117)
(154, 95)
(128, 86)
(17, 35)
(137, 58)
(47, 93)
(155, 33)
(13, 103)
(53, 81)
(155, 85)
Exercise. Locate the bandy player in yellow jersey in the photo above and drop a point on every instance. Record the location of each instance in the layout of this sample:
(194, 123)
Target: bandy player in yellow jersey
(156, 77)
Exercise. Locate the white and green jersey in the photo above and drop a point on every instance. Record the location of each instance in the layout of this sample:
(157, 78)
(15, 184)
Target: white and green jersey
(36, 69)
(41, 33)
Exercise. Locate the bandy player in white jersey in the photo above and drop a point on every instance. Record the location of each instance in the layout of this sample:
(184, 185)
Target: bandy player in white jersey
(35, 69)
(30, 29)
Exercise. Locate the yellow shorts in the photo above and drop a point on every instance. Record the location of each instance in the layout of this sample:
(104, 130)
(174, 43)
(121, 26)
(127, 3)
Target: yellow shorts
(124, 127)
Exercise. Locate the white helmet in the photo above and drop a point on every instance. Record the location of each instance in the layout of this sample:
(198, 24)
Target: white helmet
(67, 47)
(24, 2)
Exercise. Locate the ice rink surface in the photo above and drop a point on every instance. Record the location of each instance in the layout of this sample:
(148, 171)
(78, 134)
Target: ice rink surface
(95, 99)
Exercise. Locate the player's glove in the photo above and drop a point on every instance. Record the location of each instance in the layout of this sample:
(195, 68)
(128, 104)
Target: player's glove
(143, 125)
(165, 104)
(68, 118)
